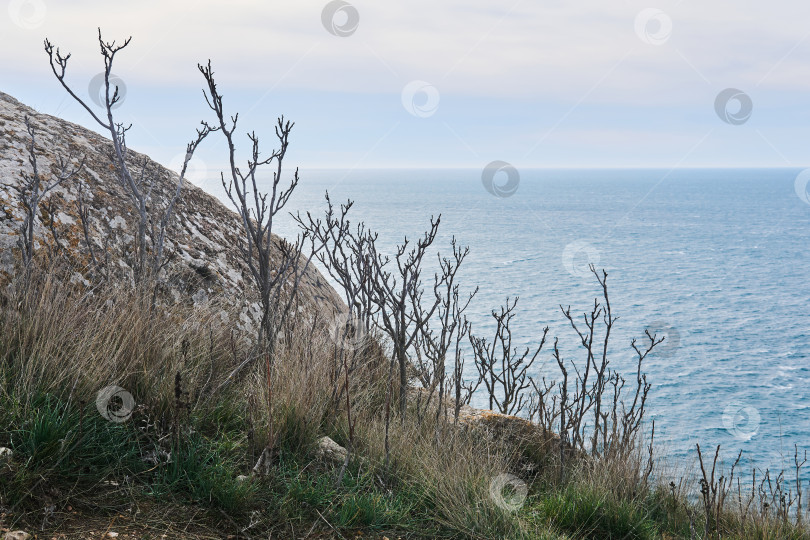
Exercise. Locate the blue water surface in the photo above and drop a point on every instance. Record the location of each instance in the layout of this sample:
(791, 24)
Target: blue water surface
(717, 260)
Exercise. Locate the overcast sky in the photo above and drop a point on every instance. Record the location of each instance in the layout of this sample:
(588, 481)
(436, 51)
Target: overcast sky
(446, 83)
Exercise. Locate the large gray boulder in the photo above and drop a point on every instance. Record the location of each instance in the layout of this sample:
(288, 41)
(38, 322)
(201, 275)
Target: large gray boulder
(203, 237)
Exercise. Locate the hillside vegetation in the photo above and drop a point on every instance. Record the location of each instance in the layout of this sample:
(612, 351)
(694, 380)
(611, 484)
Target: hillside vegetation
(139, 402)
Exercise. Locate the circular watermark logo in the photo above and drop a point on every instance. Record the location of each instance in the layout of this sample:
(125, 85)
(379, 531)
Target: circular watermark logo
(801, 184)
(672, 338)
(346, 331)
(508, 492)
(98, 90)
(741, 421)
(503, 188)
(115, 404)
(340, 18)
(578, 256)
(420, 98)
(27, 14)
(733, 106)
(653, 26)
(196, 171)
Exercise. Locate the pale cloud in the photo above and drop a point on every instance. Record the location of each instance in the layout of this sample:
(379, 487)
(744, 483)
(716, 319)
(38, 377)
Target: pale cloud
(509, 73)
(483, 47)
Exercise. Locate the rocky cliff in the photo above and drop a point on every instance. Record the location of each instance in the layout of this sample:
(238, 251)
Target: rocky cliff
(203, 237)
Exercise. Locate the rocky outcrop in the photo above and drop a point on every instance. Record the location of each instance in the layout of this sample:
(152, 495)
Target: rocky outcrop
(203, 237)
(533, 445)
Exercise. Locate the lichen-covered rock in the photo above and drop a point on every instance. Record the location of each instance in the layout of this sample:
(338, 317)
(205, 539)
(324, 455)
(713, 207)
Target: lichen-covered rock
(329, 450)
(203, 237)
(533, 442)
(529, 441)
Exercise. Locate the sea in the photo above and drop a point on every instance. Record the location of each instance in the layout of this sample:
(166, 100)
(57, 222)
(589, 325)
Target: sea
(714, 260)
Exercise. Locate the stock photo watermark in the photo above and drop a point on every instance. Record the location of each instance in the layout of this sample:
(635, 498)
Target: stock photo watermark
(345, 331)
(671, 335)
(653, 26)
(500, 179)
(741, 421)
(115, 404)
(578, 256)
(420, 99)
(800, 185)
(196, 170)
(733, 106)
(27, 14)
(508, 492)
(97, 90)
(340, 18)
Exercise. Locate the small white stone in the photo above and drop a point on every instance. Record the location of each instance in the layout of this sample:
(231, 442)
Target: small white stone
(17, 535)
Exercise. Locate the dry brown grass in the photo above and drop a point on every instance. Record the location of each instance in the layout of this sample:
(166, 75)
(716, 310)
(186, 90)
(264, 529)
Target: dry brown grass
(73, 341)
(70, 342)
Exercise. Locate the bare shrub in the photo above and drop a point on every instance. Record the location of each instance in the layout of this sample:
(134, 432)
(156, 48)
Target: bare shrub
(437, 343)
(503, 368)
(595, 393)
(34, 189)
(714, 490)
(276, 279)
(399, 293)
(153, 208)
